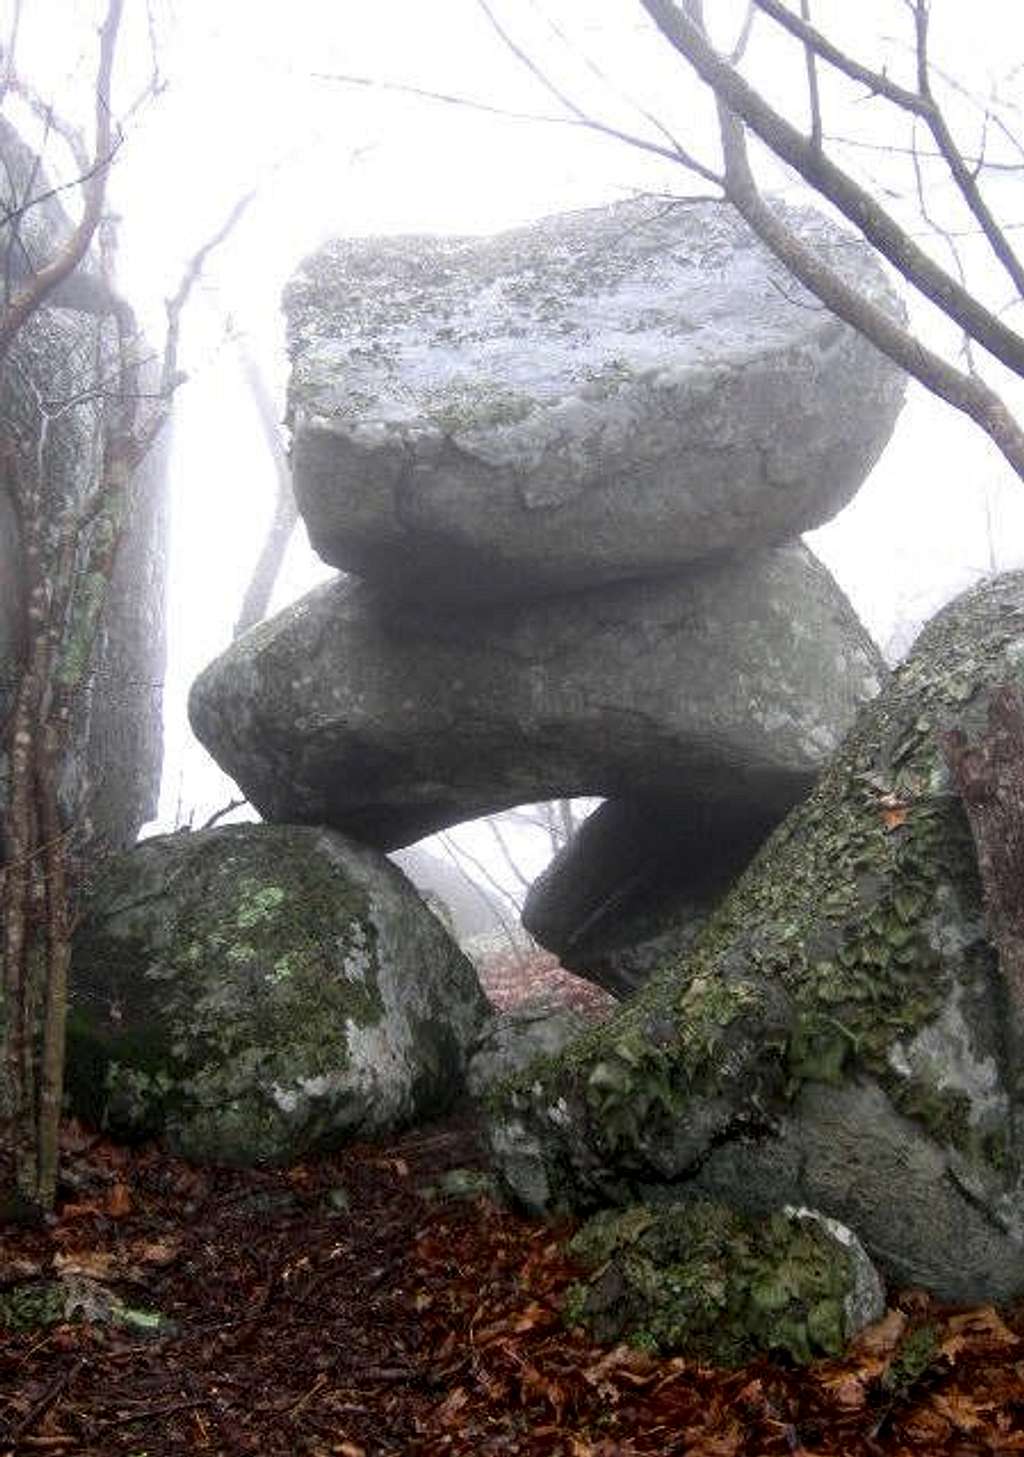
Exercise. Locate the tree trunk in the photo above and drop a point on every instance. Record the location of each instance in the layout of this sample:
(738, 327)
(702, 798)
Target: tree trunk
(989, 775)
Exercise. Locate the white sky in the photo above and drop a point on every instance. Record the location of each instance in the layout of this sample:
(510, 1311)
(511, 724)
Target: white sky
(246, 105)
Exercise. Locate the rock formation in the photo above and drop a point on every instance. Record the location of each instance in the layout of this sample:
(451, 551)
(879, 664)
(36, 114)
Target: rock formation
(51, 397)
(388, 720)
(598, 396)
(638, 880)
(836, 1036)
(571, 499)
(257, 992)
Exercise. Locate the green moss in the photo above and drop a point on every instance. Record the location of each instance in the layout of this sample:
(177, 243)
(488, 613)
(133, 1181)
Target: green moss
(31, 1305)
(219, 972)
(703, 1281)
(855, 916)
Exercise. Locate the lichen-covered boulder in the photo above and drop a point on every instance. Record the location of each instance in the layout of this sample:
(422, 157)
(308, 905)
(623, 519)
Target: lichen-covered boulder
(635, 874)
(699, 1280)
(257, 992)
(388, 720)
(597, 396)
(837, 1035)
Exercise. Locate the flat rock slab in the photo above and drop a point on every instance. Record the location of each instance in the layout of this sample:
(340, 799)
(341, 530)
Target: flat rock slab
(600, 395)
(389, 721)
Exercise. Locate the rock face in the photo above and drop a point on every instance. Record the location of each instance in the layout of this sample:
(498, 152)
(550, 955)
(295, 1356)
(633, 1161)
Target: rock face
(635, 875)
(702, 1281)
(598, 396)
(387, 721)
(837, 1035)
(63, 357)
(258, 992)
(511, 1040)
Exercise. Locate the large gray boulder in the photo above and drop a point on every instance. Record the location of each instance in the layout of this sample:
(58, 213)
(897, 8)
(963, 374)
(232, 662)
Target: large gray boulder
(389, 721)
(636, 872)
(601, 395)
(837, 1035)
(257, 992)
(53, 389)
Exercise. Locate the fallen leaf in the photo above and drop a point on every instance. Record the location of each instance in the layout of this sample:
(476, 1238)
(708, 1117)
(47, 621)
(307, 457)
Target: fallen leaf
(961, 1410)
(451, 1406)
(881, 1337)
(119, 1201)
(983, 1326)
(158, 1252)
(92, 1264)
(846, 1389)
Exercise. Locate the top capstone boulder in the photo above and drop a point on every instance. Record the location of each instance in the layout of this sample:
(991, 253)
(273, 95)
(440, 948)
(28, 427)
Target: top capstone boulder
(599, 395)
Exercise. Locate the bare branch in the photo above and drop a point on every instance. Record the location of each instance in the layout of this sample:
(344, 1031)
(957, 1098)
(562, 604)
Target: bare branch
(964, 392)
(876, 81)
(739, 50)
(584, 123)
(813, 93)
(24, 304)
(286, 512)
(601, 75)
(964, 178)
(863, 210)
(506, 854)
(219, 814)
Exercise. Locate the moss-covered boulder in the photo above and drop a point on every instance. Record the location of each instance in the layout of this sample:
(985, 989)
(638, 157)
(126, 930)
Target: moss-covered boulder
(703, 1281)
(836, 1036)
(259, 991)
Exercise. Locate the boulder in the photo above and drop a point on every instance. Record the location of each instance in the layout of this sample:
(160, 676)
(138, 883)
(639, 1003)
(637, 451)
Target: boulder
(702, 1281)
(388, 721)
(601, 395)
(837, 1036)
(638, 871)
(64, 357)
(257, 992)
(510, 1040)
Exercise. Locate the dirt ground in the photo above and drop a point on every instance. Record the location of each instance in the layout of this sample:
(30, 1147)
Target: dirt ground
(340, 1308)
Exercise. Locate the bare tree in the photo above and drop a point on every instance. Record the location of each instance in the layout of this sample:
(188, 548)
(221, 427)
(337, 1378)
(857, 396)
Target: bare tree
(69, 547)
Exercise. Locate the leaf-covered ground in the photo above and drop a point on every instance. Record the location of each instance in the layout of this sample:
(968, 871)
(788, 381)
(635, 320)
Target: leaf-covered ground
(336, 1309)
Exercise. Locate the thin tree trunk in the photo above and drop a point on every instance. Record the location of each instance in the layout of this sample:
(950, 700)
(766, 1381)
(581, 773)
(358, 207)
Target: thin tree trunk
(989, 775)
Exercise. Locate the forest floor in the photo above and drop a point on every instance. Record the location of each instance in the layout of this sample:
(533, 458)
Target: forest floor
(340, 1308)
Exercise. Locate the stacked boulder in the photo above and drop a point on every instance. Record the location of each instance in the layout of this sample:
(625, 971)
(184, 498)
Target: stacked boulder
(566, 466)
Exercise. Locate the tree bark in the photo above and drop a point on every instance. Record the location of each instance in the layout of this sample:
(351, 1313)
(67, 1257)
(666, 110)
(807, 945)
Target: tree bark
(989, 776)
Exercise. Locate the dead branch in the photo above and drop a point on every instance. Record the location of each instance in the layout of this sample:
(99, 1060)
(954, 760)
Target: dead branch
(856, 204)
(46, 279)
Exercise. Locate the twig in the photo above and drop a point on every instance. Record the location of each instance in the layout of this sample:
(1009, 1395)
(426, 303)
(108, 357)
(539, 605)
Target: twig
(50, 1396)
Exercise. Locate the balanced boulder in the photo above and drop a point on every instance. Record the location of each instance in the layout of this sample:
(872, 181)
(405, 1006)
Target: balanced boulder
(601, 395)
(839, 1035)
(257, 992)
(388, 721)
(636, 872)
